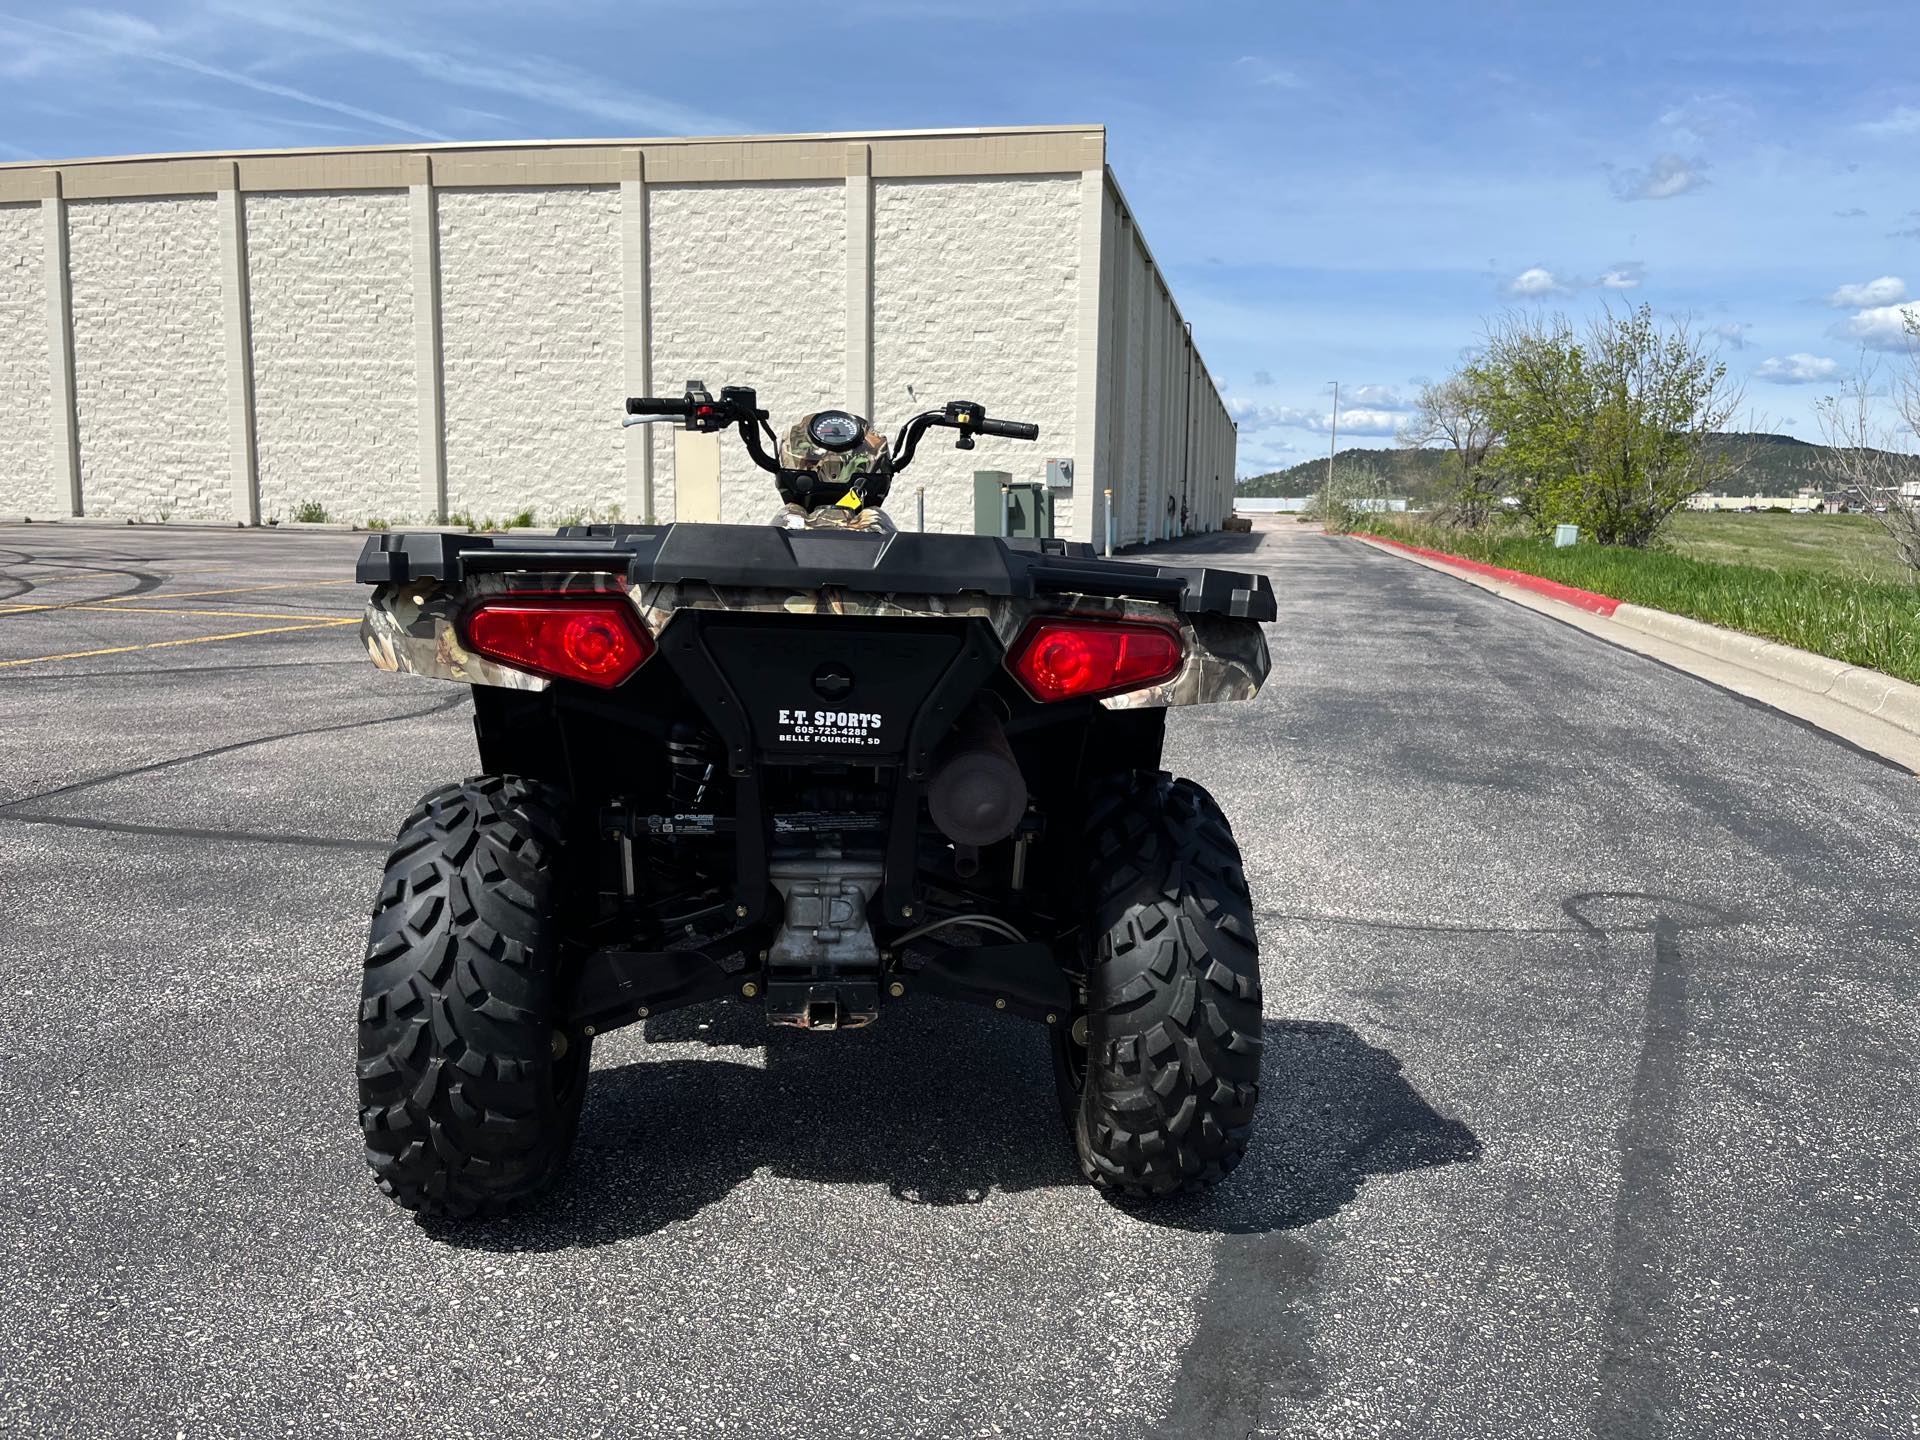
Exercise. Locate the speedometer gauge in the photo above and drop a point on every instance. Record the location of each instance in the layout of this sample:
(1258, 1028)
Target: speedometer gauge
(835, 430)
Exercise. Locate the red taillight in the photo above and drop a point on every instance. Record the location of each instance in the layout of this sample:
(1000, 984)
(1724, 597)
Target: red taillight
(598, 641)
(1063, 659)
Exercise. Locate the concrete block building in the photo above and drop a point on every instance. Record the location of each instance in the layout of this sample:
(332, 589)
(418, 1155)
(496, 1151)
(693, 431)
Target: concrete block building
(407, 333)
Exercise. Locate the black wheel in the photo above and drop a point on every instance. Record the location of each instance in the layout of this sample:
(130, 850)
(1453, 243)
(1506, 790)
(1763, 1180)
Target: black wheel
(470, 1089)
(1159, 1076)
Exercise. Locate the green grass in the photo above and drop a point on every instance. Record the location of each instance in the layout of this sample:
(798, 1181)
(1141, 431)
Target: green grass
(310, 512)
(1854, 546)
(1862, 621)
(488, 523)
(592, 515)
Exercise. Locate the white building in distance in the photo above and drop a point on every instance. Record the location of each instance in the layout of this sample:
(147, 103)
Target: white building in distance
(407, 333)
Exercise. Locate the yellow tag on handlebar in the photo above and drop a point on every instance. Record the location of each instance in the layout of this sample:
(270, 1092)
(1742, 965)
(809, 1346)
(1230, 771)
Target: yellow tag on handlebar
(848, 501)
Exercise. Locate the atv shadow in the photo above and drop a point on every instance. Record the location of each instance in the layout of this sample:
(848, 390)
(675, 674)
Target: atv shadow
(943, 1104)
(1334, 1111)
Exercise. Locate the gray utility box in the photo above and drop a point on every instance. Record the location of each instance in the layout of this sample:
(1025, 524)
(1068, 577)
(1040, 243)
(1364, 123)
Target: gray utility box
(1005, 506)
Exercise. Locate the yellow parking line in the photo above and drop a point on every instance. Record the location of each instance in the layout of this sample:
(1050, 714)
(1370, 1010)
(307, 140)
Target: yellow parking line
(9, 574)
(120, 600)
(164, 644)
(103, 609)
(49, 579)
(230, 590)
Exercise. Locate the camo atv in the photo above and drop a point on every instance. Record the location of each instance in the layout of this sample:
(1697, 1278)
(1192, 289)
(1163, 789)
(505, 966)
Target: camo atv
(819, 767)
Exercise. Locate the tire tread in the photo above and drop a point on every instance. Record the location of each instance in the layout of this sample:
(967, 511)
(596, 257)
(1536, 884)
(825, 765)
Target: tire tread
(1173, 1063)
(458, 994)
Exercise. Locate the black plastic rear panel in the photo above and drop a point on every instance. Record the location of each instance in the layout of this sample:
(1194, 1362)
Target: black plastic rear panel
(764, 555)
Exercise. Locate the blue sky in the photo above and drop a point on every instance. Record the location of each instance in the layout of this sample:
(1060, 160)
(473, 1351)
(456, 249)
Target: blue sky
(1337, 190)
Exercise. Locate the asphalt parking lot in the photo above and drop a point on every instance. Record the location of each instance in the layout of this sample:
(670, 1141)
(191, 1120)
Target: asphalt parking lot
(1588, 1106)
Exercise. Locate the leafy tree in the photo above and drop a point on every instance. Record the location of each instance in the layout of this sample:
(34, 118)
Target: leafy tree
(1659, 394)
(1532, 377)
(1347, 496)
(1871, 460)
(1455, 413)
(1609, 430)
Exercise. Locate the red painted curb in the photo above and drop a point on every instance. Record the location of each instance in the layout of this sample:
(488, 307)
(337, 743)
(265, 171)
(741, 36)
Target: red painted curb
(1553, 589)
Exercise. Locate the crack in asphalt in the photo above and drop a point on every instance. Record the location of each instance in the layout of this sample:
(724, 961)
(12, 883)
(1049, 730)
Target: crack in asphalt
(1662, 913)
(218, 750)
(165, 672)
(186, 832)
(1636, 1394)
(1678, 915)
(1361, 922)
(144, 581)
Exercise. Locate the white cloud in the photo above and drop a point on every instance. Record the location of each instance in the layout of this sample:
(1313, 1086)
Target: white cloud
(1882, 327)
(1251, 415)
(1731, 333)
(1358, 420)
(1535, 280)
(1901, 120)
(1669, 175)
(1700, 118)
(1363, 421)
(1378, 397)
(1884, 291)
(1797, 369)
(1258, 455)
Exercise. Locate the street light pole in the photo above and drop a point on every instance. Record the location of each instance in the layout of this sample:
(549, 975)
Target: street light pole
(1333, 443)
(1333, 433)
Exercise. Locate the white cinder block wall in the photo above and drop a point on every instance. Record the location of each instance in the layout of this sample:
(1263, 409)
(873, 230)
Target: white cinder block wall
(333, 366)
(150, 370)
(26, 399)
(748, 288)
(531, 350)
(974, 298)
(404, 333)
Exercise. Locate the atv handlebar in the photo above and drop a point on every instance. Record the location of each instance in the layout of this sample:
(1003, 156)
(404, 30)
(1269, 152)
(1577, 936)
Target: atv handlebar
(1010, 429)
(962, 415)
(658, 405)
(740, 407)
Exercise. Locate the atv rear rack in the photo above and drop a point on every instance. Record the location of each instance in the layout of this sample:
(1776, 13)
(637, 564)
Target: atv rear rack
(864, 562)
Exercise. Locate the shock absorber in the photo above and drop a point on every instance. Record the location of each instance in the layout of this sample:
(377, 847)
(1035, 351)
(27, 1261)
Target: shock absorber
(693, 751)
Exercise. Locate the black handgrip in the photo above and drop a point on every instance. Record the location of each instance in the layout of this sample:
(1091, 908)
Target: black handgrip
(658, 405)
(1010, 429)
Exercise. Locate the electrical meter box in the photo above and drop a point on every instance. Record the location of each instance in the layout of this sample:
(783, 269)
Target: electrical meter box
(1005, 506)
(1030, 511)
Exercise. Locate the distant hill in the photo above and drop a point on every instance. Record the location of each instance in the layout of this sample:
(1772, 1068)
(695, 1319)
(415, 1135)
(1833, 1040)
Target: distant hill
(1776, 465)
(1417, 474)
